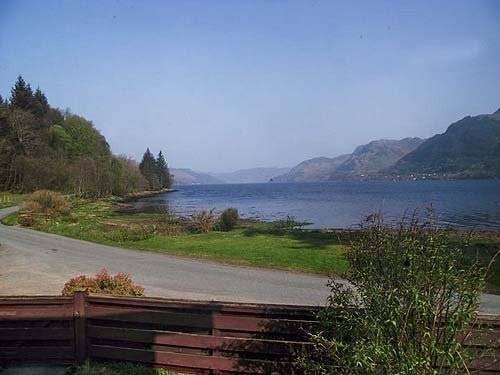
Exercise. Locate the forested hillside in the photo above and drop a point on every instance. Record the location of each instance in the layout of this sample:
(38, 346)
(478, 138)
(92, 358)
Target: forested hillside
(470, 148)
(42, 147)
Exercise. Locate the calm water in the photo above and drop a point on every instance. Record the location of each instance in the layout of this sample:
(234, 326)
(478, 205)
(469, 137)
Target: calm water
(458, 204)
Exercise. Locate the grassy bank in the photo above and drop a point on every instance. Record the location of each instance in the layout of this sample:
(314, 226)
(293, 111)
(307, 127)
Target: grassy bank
(257, 244)
(9, 199)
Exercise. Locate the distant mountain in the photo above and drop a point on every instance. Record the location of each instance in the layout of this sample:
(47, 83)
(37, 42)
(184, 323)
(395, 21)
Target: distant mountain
(317, 169)
(184, 176)
(366, 161)
(470, 148)
(248, 176)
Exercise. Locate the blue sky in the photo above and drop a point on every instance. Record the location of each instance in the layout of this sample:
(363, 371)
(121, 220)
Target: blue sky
(223, 85)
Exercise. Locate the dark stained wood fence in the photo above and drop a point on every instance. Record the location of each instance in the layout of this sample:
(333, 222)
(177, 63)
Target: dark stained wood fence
(188, 336)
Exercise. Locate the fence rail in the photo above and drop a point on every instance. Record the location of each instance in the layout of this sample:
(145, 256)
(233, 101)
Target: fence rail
(189, 336)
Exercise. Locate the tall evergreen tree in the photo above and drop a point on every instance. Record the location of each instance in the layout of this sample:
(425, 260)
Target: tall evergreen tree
(149, 170)
(22, 95)
(164, 176)
(40, 104)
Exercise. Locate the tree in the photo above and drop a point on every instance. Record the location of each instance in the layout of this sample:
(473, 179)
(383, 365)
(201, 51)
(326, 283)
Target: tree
(22, 95)
(40, 104)
(149, 170)
(163, 172)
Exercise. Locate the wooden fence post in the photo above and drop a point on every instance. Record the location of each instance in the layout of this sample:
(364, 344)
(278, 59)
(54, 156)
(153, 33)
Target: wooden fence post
(79, 324)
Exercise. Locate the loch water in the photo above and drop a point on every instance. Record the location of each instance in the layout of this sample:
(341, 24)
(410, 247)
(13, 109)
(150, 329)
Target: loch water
(458, 204)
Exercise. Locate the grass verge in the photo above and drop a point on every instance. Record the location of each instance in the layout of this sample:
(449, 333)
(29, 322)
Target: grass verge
(9, 199)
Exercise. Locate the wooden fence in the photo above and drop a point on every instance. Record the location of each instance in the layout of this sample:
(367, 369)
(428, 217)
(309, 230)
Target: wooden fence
(187, 336)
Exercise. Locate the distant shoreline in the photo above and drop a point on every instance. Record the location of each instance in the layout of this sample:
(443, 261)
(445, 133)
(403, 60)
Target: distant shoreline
(145, 194)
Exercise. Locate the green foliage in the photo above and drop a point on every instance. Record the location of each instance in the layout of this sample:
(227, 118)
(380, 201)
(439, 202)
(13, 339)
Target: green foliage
(103, 283)
(229, 219)
(10, 220)
(40, 148)
(83, 141)
(117, 368)
(164, 176)
(412, 298)
(149, 170)
(156, 171)
(21, 95)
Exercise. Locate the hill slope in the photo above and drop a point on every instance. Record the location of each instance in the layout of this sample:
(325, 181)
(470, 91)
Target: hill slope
(366, 161)
(470, 148)
(317, 169)
(185, 176)
(369, 159)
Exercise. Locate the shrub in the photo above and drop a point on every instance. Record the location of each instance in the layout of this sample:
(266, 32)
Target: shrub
(168, 223)
(204, 220)
(45, 204)
(229, 219)
(408, 310)
(103, 283)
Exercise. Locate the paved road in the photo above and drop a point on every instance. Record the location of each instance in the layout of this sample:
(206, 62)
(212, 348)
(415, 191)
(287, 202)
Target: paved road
(35, 263)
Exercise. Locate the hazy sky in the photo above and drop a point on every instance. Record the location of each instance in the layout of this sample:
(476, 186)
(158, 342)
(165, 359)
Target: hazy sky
(222, 85)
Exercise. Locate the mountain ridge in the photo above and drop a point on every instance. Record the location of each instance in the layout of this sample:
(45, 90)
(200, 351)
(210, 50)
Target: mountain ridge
(469, 148)
(365, 161)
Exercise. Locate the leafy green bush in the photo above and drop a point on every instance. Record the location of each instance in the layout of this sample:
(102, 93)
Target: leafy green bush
(103, 283)
(412, 297)
(229, 219)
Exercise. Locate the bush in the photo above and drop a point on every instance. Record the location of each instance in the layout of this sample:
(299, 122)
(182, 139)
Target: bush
(168, 223)
(103, 283)
(204, 220)
(229, 219)
(45, 204)
(408, 310)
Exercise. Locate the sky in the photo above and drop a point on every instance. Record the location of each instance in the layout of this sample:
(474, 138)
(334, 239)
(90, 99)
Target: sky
(226, 85)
